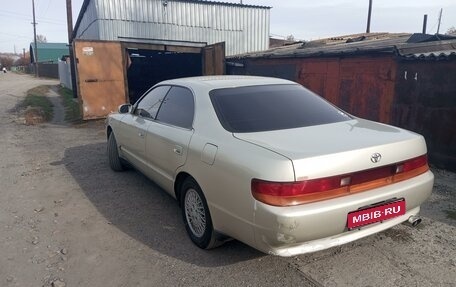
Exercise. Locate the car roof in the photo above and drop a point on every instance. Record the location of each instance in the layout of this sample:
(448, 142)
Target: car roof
(213, 82)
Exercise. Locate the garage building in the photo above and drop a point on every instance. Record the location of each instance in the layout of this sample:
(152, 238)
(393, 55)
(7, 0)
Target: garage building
(124, 47)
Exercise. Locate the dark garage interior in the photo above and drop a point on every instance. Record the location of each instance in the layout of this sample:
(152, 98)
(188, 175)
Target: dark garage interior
(148, 67)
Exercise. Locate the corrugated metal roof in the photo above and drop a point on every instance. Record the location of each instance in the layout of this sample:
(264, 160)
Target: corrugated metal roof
(437, 55)
(420, 38)
(427, 47)
(361, 44)
(243, 28)
(225, 3)
(49, 52)
(334, 46)
(62, 46)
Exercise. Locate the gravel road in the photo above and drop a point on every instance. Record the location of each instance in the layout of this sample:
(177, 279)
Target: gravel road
(66, 219)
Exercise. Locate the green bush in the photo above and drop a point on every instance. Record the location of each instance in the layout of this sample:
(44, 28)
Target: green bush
(72, 109)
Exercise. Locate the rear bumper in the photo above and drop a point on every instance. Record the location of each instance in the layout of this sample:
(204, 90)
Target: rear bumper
(288, 231)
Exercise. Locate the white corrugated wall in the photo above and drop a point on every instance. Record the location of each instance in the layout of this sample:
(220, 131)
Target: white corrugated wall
(243, 28)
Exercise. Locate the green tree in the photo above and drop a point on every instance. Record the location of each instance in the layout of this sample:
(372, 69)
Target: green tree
(6, 62)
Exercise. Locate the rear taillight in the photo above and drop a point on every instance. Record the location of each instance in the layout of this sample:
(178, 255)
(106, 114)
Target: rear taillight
(411, 168)
(300, 192)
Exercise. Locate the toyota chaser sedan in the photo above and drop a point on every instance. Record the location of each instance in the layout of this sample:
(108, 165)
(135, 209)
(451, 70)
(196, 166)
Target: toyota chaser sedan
(269, 163)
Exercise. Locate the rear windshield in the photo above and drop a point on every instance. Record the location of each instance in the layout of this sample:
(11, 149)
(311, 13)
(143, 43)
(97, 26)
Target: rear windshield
(272, 107)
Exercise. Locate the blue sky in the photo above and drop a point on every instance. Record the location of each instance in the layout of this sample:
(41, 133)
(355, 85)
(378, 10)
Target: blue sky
(303, 19)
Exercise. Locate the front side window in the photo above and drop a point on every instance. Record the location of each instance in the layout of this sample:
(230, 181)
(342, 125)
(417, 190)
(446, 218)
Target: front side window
(150, 103)
(272, 107)
(177, 108)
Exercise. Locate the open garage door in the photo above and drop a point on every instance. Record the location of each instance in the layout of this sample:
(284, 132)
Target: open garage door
(152, 63)
(113, 73)
(101, 79)
(155, 63)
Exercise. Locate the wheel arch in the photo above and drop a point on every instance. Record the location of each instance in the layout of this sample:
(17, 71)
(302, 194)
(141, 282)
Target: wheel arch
(180, 179)
(108, 131)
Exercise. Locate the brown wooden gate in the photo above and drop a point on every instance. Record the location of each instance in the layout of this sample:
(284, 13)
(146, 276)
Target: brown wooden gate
(214, 59)
(101, 79)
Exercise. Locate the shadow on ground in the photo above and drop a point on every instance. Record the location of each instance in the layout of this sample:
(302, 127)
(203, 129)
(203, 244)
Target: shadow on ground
(141, 209)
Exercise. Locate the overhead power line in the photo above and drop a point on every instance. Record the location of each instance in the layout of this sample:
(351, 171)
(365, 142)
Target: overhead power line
(15, 35)
(47, 8)
(12, 14)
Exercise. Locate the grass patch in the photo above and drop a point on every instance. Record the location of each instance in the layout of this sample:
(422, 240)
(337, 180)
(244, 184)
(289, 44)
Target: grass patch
(451, 214)
(72, 109)
(36, 98)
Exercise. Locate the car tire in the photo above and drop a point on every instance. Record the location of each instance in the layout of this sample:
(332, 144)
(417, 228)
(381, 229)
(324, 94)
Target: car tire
(196, 216)
(115, 162)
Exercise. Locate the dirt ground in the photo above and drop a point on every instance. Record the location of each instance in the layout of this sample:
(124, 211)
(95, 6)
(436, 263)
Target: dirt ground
(66, 219)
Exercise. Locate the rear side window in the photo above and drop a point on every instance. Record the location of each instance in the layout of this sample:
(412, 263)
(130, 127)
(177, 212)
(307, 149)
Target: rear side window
(177, 108)
(272, 107)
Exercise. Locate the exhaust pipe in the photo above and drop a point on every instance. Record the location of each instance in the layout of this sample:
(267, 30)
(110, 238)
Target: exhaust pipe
(413, 220)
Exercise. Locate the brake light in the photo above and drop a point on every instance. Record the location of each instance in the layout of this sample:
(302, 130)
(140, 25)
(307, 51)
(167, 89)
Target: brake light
(411, 168)
(300, 192)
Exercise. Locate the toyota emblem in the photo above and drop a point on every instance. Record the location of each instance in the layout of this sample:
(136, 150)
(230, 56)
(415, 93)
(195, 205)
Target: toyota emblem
(376, 157)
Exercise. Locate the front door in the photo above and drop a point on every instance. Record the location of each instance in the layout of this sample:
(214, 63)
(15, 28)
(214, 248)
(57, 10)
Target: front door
(133, 128)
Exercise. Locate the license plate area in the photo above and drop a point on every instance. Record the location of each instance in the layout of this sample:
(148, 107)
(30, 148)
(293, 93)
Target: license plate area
(377, 213)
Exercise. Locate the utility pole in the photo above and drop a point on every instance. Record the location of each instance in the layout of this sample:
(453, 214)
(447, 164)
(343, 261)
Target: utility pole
(369, 13)
(440, 20)
(424, 23)
(23, 60)
(35, 53)
(70, 47)
(69, 20)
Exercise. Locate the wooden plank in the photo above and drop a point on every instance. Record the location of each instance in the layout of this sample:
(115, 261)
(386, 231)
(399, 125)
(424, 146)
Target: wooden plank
(128, 45)
(183, 49)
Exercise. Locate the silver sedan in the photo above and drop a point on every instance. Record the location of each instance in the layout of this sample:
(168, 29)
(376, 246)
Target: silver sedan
(267, 162)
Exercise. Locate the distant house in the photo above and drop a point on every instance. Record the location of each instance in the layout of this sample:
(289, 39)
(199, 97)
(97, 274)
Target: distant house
(48, 52)
(48, 55)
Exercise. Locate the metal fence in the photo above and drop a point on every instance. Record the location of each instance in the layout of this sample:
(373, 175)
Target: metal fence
(45, 70)
(65, 74)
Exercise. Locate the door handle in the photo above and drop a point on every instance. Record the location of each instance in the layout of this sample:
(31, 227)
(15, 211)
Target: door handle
(141, 135)
(177, 150)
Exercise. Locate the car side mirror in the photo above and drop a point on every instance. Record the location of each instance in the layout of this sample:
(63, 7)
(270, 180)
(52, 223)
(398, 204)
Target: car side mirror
(124, 109)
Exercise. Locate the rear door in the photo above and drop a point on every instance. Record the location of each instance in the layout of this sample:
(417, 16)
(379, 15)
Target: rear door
(169, 135)
(214, 59)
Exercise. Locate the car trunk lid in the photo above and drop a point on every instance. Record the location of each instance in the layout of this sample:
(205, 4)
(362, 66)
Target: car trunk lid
(339, 148)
